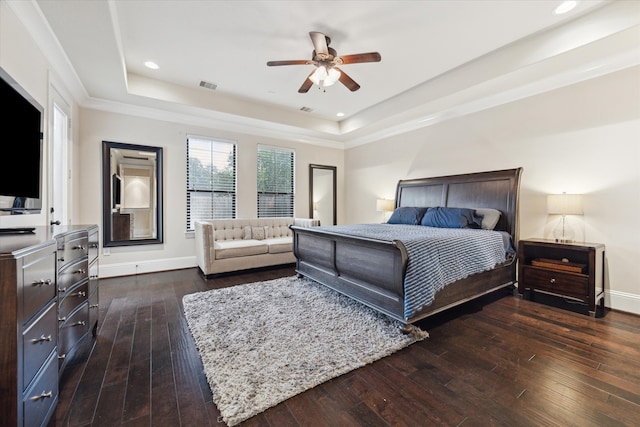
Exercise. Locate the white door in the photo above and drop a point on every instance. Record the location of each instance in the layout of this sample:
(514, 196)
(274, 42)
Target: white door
(60, 173)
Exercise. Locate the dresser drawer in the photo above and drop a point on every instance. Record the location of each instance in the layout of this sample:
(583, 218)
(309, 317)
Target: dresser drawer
(72, 274)
(557, 282)
(72, 330)
(40, 399)
(39, 283)
(71, 248)
(72, 298)
(94, 245)
(38, 341)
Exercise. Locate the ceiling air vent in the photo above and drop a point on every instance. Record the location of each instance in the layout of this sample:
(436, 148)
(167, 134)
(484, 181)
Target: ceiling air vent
(306, 109)
(208, 85)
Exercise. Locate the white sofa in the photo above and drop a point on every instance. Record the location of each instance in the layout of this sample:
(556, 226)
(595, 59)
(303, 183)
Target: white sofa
(224, 245)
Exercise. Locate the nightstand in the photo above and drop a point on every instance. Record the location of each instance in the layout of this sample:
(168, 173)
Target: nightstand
(574, 271)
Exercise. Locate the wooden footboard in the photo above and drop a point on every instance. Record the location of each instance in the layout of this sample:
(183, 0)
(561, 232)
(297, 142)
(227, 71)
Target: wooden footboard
(370, 271)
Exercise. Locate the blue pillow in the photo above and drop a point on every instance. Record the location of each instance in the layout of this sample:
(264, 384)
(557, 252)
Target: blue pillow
(443, 217)
(407, 215)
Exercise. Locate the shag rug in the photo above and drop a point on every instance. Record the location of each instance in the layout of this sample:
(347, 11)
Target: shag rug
(264, 342)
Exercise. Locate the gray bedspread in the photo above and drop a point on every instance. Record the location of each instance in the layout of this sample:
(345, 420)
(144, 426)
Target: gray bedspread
(436, 256)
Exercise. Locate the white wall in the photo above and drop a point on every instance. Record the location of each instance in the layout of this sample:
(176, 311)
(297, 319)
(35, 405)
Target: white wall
(583, 138)
(178, 249)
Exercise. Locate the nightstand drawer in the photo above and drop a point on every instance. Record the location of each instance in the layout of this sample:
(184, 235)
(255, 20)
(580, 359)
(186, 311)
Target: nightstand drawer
(557, 282)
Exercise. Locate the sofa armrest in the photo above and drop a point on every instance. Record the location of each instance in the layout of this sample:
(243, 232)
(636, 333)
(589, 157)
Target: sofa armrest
(204, 238)
(306, 222)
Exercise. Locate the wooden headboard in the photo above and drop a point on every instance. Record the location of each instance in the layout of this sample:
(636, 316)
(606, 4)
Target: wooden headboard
(493, 189)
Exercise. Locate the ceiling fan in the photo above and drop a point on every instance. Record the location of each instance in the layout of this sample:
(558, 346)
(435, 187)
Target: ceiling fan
(326, 60)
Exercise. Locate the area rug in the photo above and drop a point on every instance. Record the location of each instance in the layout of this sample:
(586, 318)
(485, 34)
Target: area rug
(264, 342)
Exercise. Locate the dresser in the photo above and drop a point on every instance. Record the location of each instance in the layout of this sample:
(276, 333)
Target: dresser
(46, 291)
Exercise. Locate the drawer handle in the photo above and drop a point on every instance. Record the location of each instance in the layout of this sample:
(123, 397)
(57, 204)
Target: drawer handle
(42, 395)
(80, 271)
(61, 259)
(62, 289)
(78, 248)
(79, 294)
(42, 338)
(62, 319)
(552, 281)
(62, 356)
(93, 276)
(42, 282)
(93, 245)
(79, 323)
(93, 306)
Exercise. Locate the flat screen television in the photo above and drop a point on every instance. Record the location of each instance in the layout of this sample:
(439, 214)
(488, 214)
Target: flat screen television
(21, 159)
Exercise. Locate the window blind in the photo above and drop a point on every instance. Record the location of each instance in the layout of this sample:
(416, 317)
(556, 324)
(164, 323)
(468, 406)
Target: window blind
(275, 182)
(211, 180)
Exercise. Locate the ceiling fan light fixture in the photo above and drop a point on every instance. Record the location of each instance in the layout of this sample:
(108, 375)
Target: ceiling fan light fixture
(324, 77)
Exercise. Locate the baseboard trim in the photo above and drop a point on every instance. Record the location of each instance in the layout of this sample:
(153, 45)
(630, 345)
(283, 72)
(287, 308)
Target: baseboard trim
(623, 301)
(142, 267)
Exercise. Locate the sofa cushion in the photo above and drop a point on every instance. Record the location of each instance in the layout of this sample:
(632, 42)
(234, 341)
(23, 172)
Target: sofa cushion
(236, 248)
(280, 244)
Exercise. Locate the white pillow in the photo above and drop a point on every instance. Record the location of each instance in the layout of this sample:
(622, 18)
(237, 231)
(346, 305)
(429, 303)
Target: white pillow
(490, 217)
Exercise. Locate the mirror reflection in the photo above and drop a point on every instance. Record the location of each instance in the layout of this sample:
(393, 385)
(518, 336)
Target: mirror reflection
(132, 194)
(322, 194)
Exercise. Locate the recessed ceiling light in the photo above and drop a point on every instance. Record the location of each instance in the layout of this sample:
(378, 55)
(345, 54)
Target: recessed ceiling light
(565, 7)
(340, 114)
(151, 64)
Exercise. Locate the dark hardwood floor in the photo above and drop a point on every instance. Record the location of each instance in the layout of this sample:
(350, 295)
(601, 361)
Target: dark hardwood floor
(502, 362)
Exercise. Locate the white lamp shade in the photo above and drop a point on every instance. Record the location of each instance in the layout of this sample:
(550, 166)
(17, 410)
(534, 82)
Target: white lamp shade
(564, 204)
(384, 205)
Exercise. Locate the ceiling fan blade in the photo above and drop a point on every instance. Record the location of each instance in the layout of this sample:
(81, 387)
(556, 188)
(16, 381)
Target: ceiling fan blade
(292, 62)
(361, 57)
(306, 85)
(347, 81)
(319, 42)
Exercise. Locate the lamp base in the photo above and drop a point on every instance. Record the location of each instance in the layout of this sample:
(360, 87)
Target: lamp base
(563, 233)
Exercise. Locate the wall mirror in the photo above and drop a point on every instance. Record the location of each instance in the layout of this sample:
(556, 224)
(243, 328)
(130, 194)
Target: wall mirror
(131, 194)
(322, 194)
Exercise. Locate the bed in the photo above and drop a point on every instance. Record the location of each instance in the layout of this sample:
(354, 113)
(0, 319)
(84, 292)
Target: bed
(374, 270)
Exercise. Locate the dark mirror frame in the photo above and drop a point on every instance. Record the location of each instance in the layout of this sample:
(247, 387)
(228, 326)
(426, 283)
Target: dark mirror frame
(333, 169)
(107, 191)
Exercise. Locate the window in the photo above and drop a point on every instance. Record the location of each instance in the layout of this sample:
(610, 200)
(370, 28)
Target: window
(211, 180)
(275, 182)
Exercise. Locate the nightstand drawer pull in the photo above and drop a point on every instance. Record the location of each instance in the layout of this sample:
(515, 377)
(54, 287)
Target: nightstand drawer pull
(42, 338)
(79, 323)
(42, 282)
(552, 281)
(42, 395)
